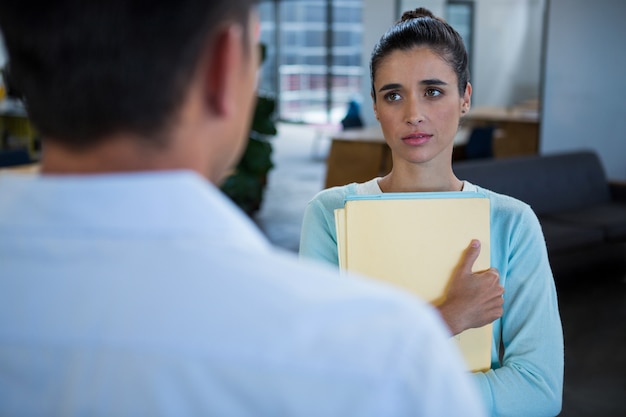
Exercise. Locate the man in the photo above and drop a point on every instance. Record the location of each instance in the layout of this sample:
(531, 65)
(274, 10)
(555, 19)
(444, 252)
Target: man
(130, 286)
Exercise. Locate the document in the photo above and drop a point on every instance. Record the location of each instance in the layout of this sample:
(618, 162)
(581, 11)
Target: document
(415, 241)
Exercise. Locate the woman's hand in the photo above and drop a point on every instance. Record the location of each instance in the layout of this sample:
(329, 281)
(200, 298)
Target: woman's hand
(472, 299)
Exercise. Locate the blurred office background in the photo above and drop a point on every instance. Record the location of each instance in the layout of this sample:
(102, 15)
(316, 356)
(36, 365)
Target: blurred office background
(562, 59)
(559, 63)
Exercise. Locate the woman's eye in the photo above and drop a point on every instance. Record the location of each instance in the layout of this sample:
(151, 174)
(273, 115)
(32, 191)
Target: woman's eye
(392, 97)
(432, 92)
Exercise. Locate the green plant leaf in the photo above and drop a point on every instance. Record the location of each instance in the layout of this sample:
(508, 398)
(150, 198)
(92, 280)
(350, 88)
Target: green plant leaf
(262, 122)
(246, 185)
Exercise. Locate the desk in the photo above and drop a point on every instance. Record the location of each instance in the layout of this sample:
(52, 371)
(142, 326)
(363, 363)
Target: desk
(518, 129)
(357, 155)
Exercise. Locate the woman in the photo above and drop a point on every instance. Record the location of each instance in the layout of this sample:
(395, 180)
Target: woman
(420, 90)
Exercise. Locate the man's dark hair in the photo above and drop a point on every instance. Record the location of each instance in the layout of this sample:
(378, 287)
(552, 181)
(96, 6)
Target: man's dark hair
(91, 68)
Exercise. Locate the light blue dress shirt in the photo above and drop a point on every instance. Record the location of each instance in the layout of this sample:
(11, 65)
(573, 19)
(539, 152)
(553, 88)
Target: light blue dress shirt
(149, 294)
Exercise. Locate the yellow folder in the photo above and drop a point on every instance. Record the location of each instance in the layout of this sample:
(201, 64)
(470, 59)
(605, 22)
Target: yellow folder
(415, 241)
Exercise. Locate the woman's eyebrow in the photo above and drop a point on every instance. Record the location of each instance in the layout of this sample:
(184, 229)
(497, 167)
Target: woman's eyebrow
(395, 86)
(392, 86)
(433, 81)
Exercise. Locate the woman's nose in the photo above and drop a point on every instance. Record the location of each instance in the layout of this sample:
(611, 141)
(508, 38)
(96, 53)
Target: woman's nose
(413, 114)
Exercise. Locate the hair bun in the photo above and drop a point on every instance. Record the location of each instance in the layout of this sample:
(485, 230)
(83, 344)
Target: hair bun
(414, 14)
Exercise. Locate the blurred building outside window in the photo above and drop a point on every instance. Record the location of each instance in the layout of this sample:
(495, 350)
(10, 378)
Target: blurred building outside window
(313, 64)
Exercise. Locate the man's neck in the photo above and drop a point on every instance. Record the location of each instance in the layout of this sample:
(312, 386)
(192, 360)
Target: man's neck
(120, 153)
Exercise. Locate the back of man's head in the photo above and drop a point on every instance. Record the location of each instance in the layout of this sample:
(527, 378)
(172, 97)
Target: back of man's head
(88, 69)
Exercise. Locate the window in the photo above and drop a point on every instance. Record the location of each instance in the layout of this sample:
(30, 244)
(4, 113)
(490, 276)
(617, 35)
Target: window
(313, 60)
(460, 15)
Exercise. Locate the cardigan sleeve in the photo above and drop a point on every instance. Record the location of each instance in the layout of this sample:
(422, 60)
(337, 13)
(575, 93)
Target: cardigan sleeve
(318, 237)
(529, 379)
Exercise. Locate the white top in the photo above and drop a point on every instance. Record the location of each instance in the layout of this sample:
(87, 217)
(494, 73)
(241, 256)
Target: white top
(372, 187)
(150, 294)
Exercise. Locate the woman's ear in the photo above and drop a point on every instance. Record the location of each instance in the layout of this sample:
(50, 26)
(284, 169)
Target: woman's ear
(466, 100)
(374, 106)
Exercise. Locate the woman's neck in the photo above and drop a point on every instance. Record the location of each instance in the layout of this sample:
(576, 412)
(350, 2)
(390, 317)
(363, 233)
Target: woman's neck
(419, 179)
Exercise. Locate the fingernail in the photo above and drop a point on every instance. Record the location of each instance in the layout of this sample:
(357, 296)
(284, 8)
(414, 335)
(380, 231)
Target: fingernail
(475, 243)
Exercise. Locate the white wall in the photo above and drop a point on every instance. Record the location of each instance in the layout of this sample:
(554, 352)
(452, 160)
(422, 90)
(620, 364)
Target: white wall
(506, 66)
(584, 100)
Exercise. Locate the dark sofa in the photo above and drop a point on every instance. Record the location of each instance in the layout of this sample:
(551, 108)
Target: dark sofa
(583, 215)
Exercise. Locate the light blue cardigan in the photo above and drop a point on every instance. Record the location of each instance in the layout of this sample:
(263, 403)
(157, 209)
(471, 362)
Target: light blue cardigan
(526, 376)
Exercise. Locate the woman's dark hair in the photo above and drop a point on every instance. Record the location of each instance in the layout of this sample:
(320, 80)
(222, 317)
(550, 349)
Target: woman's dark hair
(420, 27)
(88, 69)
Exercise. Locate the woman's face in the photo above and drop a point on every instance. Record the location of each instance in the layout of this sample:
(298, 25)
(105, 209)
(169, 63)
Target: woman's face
(418, 105)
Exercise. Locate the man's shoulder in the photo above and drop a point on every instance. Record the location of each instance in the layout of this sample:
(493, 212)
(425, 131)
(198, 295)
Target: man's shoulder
(363, 337)
(319, 282)
(312, 287)
(353, 317)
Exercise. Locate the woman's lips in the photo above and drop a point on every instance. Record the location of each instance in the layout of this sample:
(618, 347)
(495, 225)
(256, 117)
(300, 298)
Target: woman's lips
(416, 138)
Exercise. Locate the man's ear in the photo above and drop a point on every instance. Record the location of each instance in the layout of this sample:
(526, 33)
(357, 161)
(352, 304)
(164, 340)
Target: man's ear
(223, 69)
